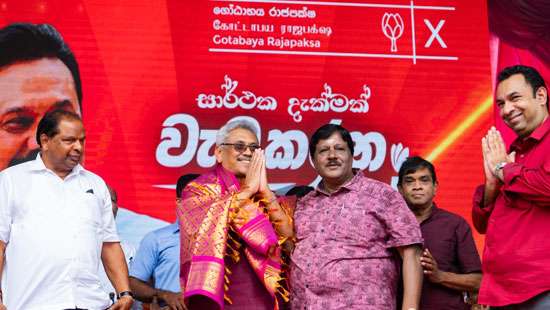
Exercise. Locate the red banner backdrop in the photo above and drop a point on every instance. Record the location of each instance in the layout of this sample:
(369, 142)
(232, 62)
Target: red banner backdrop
(160, 77)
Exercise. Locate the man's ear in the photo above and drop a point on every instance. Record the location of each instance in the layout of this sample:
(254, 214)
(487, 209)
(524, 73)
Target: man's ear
(44, 139)
(218, 154)
(541, 95)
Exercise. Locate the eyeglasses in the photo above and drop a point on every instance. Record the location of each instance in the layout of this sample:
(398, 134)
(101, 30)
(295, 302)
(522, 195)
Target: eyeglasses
(241, 147)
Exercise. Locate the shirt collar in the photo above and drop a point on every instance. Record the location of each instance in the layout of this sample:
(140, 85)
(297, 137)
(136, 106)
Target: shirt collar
(38, 165)
(433, 213)
(176, 227)
(352, 184)
(536, 135)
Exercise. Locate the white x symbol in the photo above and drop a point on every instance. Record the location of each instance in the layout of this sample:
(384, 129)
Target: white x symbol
(435, 33)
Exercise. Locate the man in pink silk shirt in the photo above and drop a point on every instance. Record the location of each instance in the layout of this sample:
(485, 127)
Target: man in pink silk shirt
(350, 232)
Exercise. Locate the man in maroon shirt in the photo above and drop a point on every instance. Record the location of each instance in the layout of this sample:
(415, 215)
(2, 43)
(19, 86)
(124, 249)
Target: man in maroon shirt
(513, 206)
(450, 259)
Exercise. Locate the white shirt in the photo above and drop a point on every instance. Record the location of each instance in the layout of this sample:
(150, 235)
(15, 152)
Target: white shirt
(54, 230)
(106, 285)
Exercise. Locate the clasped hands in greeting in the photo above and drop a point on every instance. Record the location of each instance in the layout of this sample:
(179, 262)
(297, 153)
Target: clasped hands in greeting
(495, 156)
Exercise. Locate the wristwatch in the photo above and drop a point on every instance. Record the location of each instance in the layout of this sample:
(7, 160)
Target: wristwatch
(498, 167)
(125, 293)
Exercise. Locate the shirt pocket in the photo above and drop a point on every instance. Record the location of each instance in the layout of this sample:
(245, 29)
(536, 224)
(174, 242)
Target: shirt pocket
(89, 216)
(309, 223)
(355, 224)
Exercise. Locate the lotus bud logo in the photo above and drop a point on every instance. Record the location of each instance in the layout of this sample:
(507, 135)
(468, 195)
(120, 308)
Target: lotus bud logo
(392, 27)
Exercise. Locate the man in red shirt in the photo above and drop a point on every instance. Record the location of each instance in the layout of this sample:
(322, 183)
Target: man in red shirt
(513, 206)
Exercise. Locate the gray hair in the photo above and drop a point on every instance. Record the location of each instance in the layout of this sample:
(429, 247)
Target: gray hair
(234, 123)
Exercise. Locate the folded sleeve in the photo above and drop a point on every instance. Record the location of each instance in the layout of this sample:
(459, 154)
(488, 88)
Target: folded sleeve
(145, 260)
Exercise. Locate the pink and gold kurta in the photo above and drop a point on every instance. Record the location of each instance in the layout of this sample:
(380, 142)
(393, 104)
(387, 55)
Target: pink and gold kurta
(212, 244)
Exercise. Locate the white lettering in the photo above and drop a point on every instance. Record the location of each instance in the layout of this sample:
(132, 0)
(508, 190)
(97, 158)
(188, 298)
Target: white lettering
(287, 157)
(237, 10)
(369, 159)
(329, 101)
(171, 139)
(284, 150)
(292, 13)
(247, 101)
(435, 33)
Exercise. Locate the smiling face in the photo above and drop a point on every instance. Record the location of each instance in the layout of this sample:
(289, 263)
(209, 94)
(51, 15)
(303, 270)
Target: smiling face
(235, 161)
(62, 152)
(519, 109)
(333, 160)
(418, 189)
(27, 91)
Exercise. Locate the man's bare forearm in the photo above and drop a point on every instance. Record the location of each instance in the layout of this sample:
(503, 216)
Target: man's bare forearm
(412, 276)
(115, 266)
(2, 255)
(142, 291)
(468, 282)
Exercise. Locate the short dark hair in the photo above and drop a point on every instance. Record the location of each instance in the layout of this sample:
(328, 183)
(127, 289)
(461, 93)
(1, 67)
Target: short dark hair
(531, 75)
(413, 164)
(183, 181)
(49, 124)
(324, 132)
(25, 42)
(299, 191)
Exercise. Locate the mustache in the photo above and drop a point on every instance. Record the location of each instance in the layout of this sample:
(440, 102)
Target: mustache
(31, 155)
(333, 162)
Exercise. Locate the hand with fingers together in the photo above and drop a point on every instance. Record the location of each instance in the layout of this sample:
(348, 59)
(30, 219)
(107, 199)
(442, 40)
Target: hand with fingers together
(251, 184)
(495, 156)
(431, 269)
(263, 189)
(174, 301)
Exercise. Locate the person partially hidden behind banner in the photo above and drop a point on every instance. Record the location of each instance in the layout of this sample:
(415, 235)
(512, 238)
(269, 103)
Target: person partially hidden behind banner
(155, 269)
(231, 225)
(348, 233)
(513, 206)
(38, 73)
(128, 250)
(450, 259)
(56, 224)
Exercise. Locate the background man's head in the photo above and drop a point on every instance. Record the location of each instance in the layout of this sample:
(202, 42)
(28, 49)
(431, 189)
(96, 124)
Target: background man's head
(61, 137)
(522, 99)
(299, 191)
(114, 199)
(182, 183)
(417, 182)
(38, 74)
(331, 150)
(235, 144)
